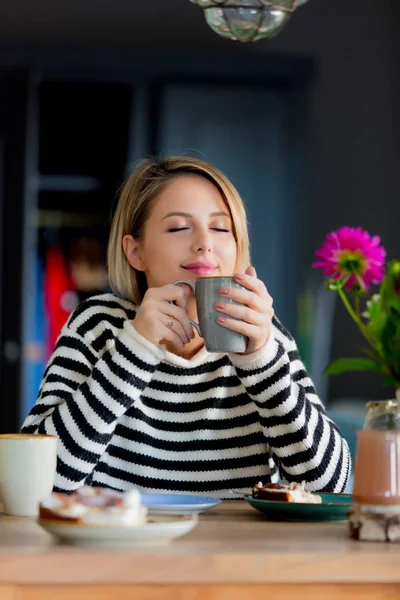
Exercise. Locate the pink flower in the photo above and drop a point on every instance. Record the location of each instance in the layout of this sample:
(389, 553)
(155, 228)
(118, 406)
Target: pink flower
(350, 253)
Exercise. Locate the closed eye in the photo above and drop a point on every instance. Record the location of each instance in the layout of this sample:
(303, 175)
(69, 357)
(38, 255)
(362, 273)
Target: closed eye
(173, 229)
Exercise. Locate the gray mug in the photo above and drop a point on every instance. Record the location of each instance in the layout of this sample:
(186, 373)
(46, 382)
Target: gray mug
(216, 337)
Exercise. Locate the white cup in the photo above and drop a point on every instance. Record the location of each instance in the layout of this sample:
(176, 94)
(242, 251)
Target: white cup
(27, 471)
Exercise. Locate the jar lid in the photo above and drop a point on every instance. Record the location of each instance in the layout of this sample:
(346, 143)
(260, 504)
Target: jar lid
(375, 403)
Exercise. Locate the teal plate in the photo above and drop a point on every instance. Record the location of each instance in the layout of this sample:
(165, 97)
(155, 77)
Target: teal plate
(334, 507)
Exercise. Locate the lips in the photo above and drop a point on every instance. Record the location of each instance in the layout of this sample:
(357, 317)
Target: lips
(201, 269)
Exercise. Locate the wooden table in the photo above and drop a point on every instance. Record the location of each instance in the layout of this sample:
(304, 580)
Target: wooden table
(233, 554)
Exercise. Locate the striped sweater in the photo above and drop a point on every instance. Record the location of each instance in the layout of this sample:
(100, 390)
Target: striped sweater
(128, 413)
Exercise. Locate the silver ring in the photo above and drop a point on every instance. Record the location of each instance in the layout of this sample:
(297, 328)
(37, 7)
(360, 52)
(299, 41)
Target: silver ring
(170, 322)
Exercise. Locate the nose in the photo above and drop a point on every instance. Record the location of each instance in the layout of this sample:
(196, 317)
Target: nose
(202, 241)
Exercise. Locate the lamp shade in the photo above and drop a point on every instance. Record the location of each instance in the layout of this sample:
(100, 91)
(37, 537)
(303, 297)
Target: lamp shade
(247, 20)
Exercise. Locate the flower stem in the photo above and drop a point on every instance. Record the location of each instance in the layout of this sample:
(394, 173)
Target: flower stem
(357, 306)
(354, 316)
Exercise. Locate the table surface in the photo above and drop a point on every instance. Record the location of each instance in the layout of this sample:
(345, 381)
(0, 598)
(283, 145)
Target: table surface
(232, 543)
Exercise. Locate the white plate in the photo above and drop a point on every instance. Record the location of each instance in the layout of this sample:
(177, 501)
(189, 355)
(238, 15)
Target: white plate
(178, 504)
(160, 530)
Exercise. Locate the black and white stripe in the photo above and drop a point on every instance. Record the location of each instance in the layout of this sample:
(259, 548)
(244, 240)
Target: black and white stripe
(127, 413)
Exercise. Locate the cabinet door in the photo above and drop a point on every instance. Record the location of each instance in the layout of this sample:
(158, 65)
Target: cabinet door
(256, 137)
(17, 238)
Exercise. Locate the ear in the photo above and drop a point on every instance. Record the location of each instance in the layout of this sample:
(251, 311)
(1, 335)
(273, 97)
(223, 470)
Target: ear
(132, 252)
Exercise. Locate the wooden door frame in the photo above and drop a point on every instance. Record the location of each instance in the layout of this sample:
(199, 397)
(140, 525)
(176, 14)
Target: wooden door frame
(18, 203)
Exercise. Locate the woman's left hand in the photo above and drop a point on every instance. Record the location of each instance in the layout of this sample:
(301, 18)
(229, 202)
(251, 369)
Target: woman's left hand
(255, 317)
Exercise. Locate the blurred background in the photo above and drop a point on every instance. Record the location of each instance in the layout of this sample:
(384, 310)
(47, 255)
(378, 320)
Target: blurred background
(306, 125)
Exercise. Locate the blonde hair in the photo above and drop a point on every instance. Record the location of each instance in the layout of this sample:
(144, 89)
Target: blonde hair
(136, 198)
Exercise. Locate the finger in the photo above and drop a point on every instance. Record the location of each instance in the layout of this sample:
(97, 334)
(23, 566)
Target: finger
(170, 293)
(248, 330)
(179, 314)
(243, 296)
(251, 283)
(251, 271)
(172, 337)
(244, 313)
(183, 295)
(176, 327)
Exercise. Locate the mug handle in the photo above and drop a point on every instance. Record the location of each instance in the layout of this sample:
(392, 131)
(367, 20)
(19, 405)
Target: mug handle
(191, 285)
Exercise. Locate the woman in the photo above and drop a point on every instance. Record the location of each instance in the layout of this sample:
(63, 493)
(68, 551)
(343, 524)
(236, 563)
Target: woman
(132, 394)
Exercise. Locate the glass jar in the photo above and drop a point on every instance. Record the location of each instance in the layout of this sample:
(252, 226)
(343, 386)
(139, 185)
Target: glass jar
(382, 415)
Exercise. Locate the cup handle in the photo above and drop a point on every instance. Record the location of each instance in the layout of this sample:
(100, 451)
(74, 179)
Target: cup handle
(191, 285)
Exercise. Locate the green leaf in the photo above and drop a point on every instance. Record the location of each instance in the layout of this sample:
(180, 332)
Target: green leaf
(391, 297)
(391, 344)
(390, 380)
(376, 325)
(342, 365)
(371, 353)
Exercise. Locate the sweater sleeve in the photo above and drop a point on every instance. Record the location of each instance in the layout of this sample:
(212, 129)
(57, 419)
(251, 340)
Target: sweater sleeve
(305, 443)
(83, 394)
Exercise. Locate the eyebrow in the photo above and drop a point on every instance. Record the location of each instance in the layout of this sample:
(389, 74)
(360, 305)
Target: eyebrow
(184, 214)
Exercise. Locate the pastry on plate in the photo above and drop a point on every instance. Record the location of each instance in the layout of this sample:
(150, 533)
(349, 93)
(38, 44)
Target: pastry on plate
(95, 506)
(285, 492)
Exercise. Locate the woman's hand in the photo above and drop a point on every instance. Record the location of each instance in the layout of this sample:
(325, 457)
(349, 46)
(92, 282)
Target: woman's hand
(157, 319)
(256, 314)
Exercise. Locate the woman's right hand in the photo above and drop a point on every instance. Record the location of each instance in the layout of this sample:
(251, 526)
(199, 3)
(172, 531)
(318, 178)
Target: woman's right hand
(157, 319)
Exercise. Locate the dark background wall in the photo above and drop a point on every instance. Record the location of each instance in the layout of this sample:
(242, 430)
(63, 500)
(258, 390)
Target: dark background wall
(354, 126)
